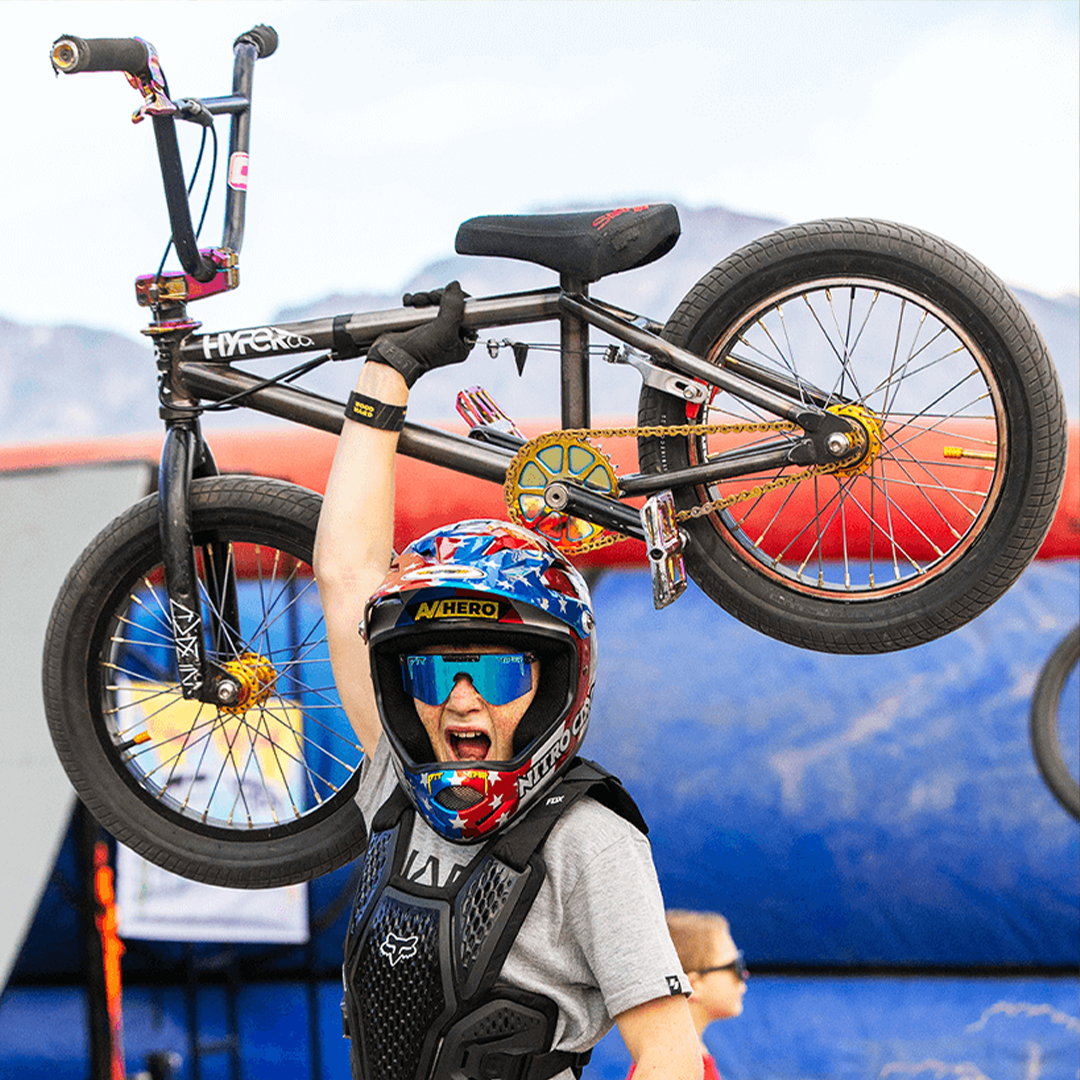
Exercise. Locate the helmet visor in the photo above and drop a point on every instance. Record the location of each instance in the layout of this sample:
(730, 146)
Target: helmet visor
(497, 677)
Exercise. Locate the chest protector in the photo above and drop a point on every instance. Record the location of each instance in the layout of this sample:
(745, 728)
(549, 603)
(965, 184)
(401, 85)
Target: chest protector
(422, 996)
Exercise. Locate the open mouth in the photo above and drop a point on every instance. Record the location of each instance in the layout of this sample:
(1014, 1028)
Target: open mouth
(468, 745)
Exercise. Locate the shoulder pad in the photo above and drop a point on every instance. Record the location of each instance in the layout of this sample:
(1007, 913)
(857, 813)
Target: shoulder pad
(607, 790)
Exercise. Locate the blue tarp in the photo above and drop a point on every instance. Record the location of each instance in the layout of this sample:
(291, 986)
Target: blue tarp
(847, 809)
(793, 1028)
(911, 1028)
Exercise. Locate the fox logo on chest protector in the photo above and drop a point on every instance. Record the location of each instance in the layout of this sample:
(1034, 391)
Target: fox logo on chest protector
(396, 948)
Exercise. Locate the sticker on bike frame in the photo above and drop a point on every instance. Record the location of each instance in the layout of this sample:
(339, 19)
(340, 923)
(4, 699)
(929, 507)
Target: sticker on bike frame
(260, 339)
(497, 677)
(238, 171)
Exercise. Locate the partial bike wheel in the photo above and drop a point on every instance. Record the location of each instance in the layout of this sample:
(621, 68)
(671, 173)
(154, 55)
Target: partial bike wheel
(251, 795)
(1056, 696)
(964, 425)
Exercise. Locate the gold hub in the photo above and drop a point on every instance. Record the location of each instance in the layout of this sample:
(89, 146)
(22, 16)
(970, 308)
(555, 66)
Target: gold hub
(255, 676)
(869, 431)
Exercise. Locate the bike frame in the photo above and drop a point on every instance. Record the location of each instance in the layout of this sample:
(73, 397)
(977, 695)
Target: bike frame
(197, 367)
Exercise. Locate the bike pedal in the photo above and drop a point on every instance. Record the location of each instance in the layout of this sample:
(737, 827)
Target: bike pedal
(487, 422)
(480, 410)
(664, 544)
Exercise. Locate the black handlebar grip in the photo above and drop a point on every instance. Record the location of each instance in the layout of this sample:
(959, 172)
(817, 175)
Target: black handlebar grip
(71, 54)
(263, 37)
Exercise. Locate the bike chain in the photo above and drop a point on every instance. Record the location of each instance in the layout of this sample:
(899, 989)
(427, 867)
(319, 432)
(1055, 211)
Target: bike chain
(606, 538)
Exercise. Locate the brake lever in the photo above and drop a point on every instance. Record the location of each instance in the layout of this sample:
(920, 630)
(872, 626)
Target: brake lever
(153, 87)
(194, 110)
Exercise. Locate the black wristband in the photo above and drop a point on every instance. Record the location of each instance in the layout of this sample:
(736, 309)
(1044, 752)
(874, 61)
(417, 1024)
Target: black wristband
(376, 414)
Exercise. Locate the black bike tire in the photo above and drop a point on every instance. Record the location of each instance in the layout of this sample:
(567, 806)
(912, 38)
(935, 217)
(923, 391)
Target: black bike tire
(1045, 735)
(1035, 414)
(225, 507)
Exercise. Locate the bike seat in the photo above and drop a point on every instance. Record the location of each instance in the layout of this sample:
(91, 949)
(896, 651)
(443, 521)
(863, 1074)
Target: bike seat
(587, 245)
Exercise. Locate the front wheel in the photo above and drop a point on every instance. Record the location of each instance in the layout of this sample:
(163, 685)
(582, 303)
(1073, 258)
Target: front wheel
(1055, 698)
(963, 428)
(251, 795)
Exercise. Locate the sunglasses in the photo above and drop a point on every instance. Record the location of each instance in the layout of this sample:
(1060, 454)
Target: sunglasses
(497, 677)
(737, 965)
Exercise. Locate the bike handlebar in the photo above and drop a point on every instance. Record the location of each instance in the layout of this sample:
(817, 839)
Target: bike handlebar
(263, 37)
(71, 55)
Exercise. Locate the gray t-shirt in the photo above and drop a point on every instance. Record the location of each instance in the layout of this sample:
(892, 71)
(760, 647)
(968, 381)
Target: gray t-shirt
(595, 940)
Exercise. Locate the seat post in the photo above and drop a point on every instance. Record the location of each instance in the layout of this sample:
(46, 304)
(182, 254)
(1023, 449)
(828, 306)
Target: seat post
(574, 342)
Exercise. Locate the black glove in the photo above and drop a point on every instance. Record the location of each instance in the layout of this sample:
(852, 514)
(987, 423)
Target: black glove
(435, 344)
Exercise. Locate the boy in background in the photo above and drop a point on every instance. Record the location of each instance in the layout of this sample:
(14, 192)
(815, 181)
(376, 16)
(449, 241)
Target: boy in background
(714, 965)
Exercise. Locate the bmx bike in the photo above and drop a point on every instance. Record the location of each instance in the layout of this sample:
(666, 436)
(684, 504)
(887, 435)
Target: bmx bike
(850, 436)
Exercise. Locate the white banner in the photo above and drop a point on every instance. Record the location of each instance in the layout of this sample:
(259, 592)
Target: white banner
(218, 775)
(156, 905)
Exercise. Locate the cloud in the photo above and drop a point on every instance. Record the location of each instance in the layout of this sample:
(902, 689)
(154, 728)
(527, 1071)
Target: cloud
(973, 134)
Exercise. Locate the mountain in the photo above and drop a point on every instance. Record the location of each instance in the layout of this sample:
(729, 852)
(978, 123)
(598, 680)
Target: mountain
(72, 382)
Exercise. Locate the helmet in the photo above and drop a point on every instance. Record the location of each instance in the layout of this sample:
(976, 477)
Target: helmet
(484, 583)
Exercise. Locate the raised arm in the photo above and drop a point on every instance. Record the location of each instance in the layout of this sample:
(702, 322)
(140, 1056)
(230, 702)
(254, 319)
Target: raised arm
(354, 542)
(661, 1039)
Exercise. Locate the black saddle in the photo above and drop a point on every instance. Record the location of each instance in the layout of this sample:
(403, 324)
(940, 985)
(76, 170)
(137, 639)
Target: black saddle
(587, 245)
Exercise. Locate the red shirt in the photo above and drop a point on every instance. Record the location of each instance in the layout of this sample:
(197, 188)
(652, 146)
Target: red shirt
(710, 1072)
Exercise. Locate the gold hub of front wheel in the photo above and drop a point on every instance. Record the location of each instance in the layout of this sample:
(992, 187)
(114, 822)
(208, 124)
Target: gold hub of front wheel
(255, 676)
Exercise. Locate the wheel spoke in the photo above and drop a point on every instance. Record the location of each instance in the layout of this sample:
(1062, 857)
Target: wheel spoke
(888, 352)
(285, 748)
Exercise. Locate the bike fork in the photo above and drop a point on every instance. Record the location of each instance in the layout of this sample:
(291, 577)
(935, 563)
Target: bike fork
(185, 457)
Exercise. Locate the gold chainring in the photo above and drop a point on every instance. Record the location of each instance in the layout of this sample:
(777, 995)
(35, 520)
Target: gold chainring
(559, 455)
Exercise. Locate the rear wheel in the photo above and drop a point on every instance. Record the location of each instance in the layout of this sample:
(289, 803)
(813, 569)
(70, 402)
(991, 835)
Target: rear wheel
(962, 416)
(1053, 705)
(254, 794)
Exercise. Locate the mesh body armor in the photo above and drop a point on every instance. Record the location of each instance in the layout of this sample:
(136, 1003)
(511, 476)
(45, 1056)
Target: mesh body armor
(422, 997)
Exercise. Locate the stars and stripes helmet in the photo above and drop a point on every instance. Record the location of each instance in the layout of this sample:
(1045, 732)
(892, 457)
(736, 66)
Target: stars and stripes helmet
(483, 583)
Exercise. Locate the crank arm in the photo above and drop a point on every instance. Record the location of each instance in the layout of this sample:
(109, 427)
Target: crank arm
(602, 510)
(654, 524)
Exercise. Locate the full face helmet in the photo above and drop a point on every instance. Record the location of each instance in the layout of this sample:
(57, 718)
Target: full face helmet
(483, 583)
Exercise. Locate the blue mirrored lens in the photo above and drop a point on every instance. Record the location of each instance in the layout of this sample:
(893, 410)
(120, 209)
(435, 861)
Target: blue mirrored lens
(496, 677)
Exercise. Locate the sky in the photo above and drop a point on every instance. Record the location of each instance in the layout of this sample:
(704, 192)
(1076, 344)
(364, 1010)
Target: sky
(378, 127)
